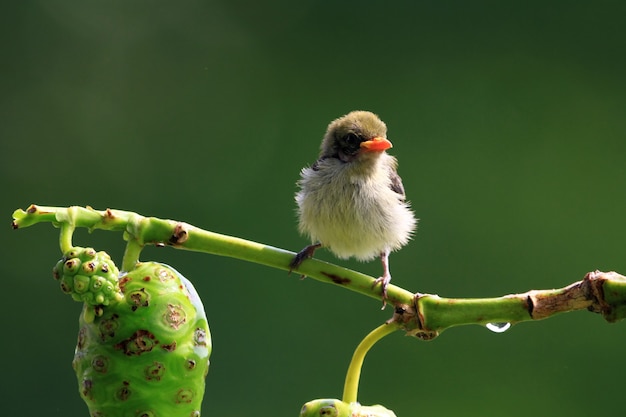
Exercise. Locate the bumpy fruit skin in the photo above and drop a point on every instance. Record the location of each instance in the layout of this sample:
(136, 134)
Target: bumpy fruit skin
(89, 276)
(148, 354)
(329, 407)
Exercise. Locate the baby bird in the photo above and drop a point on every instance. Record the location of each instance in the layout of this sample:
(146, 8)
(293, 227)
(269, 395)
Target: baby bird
(351, 200)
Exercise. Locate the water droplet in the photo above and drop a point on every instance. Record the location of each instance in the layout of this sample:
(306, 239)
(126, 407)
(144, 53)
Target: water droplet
(498, 327)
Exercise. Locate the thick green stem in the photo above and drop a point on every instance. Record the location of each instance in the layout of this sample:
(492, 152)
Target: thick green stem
(423, 315)
(149, 230)
(351, 386)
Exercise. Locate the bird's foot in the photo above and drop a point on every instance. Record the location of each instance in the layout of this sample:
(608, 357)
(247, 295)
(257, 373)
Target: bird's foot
(302, 256)
(383, 281)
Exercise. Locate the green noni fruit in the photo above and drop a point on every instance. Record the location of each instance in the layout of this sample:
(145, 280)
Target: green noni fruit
(146, 352)
(329, 407)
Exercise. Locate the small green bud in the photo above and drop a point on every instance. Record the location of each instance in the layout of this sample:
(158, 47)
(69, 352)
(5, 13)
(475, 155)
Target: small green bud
(81, 283)
(70, 267)
(88, 276)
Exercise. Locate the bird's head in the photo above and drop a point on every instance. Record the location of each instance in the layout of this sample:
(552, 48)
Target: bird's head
(359, 135)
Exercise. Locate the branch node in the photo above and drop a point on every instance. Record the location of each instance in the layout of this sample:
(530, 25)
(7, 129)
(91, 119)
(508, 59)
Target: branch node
(412, 321)
(606, 291)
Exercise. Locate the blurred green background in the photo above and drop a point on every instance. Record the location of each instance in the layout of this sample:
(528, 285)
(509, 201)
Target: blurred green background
(509, 121)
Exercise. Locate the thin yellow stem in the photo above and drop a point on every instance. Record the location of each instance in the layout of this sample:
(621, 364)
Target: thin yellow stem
(351, 386)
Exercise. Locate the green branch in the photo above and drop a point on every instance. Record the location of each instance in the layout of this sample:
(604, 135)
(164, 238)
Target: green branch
(422, 315)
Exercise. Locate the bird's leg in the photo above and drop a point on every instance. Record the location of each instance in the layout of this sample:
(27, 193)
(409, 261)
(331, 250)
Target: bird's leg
(386, 277)
(303, 255)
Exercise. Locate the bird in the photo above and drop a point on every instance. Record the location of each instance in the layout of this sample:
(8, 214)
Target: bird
(351, 201)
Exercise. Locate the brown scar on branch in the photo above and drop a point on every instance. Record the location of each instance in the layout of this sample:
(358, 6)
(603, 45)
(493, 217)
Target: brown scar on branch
(180, 234)
(586, 294)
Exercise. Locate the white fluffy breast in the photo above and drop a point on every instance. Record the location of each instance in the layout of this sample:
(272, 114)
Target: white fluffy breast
(351, 208)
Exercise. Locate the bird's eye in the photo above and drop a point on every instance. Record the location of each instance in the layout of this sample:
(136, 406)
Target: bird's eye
(348, 146)
(352, 139)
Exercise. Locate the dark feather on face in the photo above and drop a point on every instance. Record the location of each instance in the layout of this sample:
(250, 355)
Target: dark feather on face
(348, 146)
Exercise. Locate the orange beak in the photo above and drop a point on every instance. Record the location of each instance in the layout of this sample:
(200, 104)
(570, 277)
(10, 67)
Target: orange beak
(376, 144)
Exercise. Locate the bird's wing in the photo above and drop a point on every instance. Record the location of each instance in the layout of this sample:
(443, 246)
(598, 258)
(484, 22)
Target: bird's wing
(396, 184)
